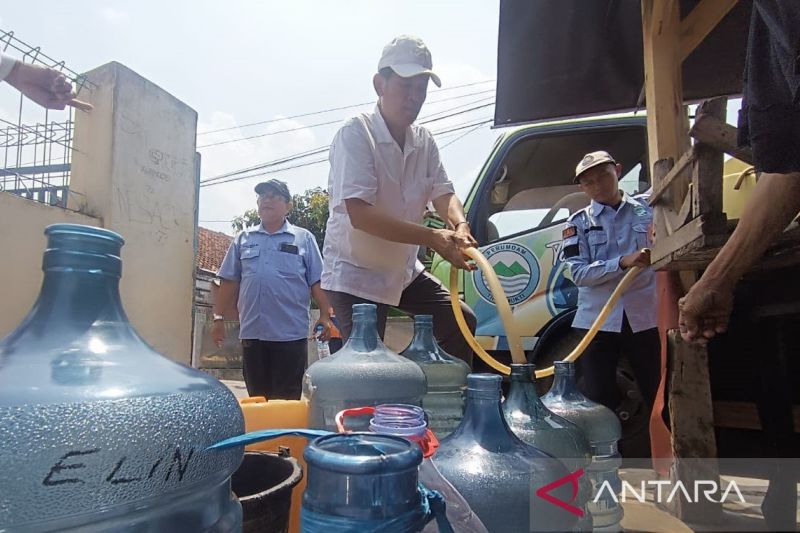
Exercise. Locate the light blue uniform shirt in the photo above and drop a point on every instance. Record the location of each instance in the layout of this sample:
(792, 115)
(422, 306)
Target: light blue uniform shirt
(275, 285)
(594, 240)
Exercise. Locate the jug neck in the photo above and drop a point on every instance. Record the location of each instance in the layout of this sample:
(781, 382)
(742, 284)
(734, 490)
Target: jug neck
(522, 394)
(424, 341)
(483, 419)
(82, 269)
(564, 383)
(364, 334)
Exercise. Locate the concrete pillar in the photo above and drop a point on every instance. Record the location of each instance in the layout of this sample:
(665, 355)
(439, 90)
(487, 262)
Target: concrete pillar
(134, 168)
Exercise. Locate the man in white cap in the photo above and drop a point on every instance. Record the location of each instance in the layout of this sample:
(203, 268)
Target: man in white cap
(600, 243)
(384, 171)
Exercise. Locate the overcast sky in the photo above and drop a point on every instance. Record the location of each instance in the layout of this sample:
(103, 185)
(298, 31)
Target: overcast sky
(238, 62)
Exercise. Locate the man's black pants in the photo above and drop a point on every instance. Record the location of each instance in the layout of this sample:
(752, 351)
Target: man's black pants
(274, 369)
(598, 364)
(424, 295)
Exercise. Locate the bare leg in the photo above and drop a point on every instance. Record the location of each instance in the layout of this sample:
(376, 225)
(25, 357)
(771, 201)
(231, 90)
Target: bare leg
(705, 310)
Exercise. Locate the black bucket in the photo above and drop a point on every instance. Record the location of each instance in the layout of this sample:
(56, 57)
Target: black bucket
(263, 483)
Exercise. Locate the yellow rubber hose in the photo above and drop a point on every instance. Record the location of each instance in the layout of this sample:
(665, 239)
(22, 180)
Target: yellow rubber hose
(510, 325)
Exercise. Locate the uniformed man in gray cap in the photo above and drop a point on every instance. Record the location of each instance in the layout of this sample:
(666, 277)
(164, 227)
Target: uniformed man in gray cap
(271, 271)
(600, 243)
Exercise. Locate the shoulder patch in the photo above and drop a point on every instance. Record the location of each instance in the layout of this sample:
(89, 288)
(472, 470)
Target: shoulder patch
(569, 231)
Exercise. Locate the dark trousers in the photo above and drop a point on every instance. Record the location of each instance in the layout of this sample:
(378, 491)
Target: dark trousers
(274, 369)
(424, 296)
(598, 364)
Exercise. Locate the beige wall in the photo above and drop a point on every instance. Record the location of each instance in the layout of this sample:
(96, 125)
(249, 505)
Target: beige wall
(22, 242)
(134, 168)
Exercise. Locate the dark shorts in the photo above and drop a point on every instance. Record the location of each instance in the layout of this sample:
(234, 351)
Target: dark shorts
(425, 295)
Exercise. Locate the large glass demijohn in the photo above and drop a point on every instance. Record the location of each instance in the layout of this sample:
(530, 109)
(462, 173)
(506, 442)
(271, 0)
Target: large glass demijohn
(497, 473)
(445, 374)
(602, 427)
(535, 424)
(98, 432)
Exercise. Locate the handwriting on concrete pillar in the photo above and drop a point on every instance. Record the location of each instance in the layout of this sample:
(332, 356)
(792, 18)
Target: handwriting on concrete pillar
(80, 466)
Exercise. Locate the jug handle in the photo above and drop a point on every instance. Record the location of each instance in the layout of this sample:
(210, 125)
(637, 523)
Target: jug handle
(355, 411)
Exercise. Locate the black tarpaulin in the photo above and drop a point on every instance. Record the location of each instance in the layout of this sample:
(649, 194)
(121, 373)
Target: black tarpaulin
(567, 58)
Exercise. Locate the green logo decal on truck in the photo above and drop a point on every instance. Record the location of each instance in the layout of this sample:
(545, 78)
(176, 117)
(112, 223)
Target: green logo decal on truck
(516, 268)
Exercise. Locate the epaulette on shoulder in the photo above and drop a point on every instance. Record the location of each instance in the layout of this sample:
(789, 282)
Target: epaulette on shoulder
(574, 216)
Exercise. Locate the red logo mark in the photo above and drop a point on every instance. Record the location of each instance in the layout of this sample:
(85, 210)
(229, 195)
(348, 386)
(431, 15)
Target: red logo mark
(544, 492)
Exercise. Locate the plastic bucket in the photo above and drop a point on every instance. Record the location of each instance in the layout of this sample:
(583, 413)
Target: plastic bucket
(263, 483)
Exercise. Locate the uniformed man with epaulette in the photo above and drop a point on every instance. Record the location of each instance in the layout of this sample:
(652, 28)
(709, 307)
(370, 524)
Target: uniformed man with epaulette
(600, 243)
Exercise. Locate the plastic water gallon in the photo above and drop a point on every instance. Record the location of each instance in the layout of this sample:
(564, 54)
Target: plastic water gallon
(97, 431)
(446, 377)
(601, 426)
(363, 373)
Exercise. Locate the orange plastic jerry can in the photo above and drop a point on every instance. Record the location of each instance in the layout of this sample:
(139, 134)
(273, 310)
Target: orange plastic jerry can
(260, 413)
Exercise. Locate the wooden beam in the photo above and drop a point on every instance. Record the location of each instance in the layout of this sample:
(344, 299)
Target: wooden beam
(700, 22)
(696, 235)
(692, 422)
(674, 173)
(666, 131)
(686, 209)
(707, 167)
(665, 245)
(722, 136)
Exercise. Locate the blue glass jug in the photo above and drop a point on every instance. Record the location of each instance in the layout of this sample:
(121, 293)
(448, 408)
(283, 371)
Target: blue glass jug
(97, 431)
(536, 425)
(446, 377)
(362, 482)
(363, 373)
(503, 479)
(602, 427)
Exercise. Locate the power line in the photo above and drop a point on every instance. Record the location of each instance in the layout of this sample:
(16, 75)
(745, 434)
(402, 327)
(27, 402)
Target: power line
(269, 134)
(324, 148)
(264, 173)
(218, 180)
(460, 106)
(329, 110)
(301, 155)
(476, 128)
(458, 113)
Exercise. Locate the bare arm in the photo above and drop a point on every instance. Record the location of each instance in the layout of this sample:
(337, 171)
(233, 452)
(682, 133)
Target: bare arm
(369, 219)
(450, 209)
(774, 203)
(324, 310)
(705, 310)
(227, 295)
(45, 86)
(225, 300)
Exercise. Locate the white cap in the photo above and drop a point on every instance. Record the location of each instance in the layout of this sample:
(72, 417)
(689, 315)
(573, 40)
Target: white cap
(592, 159)
(408, 56)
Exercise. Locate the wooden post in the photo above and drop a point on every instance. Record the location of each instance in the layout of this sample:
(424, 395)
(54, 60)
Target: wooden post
(667, 135)
(707, 174)
(692, 422)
